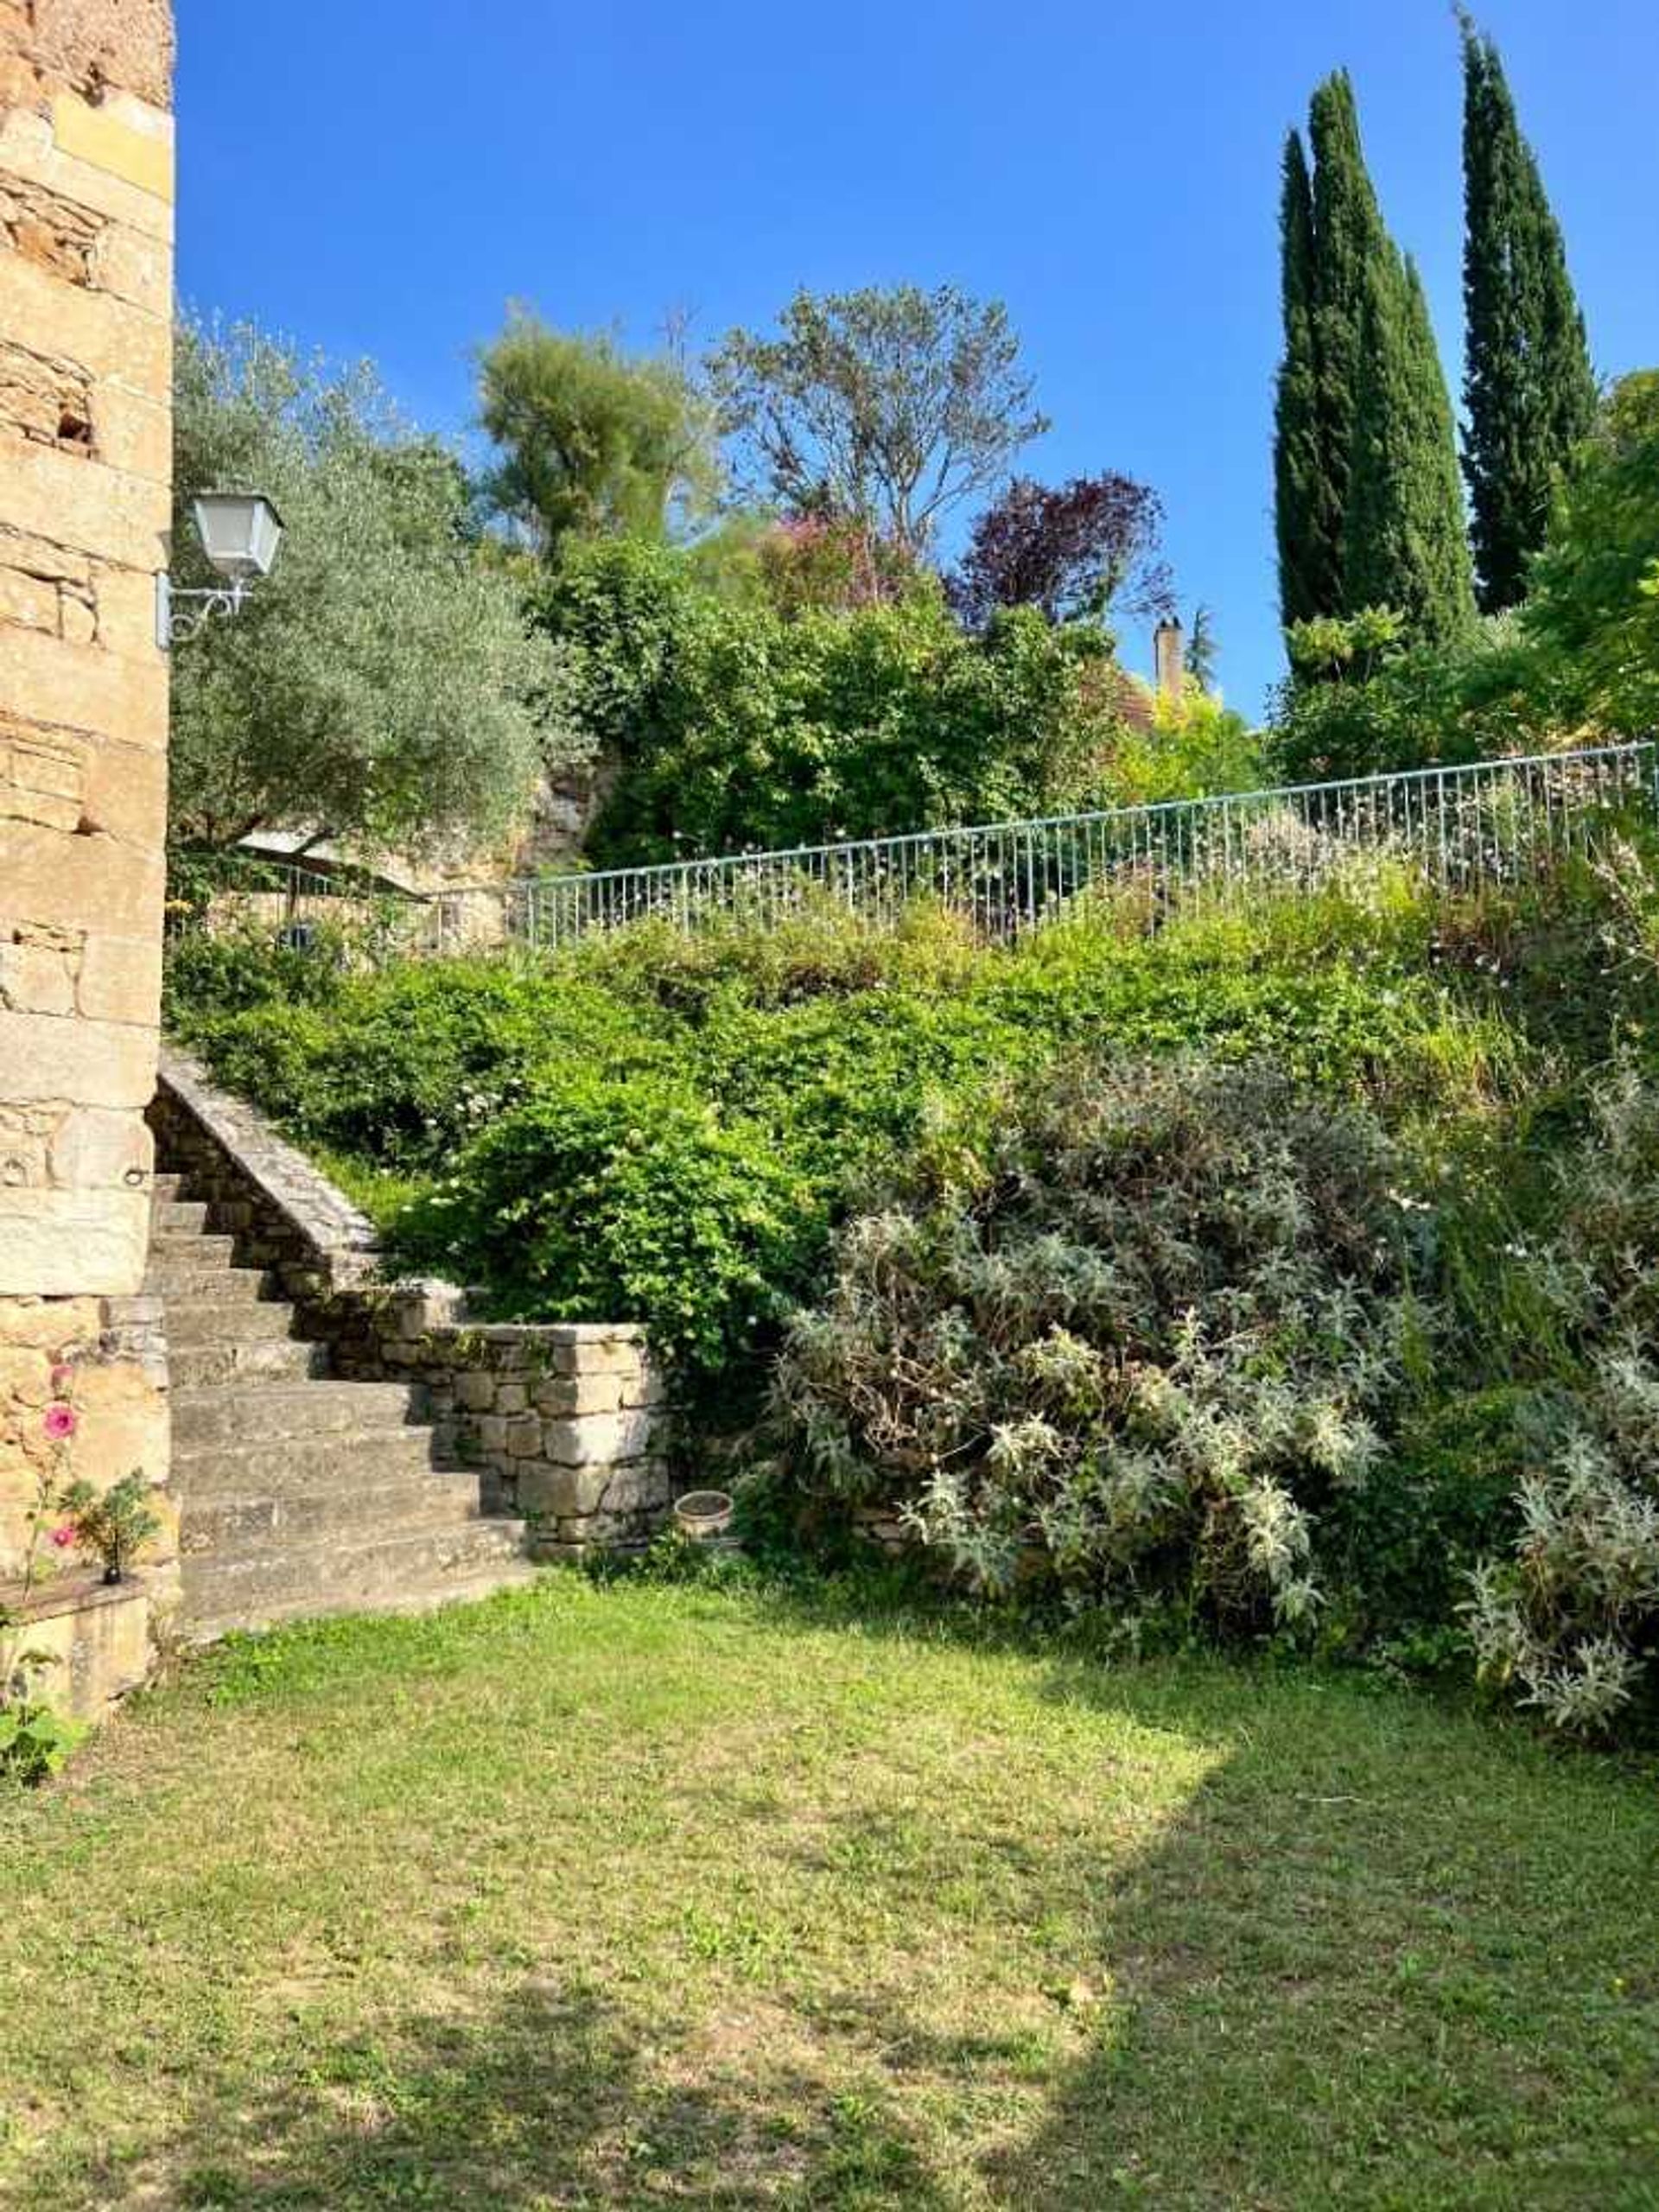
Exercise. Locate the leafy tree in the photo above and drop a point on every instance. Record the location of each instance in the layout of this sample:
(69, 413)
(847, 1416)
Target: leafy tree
(1403, 540)
(382, 686)
(1529, 390)
(736, 725)
(883, 408)
(591, 441)
(1594, 611)
(1382, 703)
(1068, 551)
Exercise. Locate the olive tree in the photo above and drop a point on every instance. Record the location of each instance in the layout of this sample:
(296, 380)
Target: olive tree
(383, 685)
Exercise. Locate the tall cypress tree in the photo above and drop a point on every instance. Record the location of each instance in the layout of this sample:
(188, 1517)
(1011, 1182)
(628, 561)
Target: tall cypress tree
(1331, 240)
(1369, 507)
(1529, 390)
(1306, 522)
(1403, 544)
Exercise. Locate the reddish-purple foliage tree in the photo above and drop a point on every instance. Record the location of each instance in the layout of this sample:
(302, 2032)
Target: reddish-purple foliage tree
(1071, 549)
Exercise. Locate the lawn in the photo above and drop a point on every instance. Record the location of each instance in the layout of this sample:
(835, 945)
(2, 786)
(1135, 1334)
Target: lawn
(628, 1894)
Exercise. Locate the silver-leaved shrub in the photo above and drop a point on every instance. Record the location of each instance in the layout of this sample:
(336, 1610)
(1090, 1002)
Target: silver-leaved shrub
(1135, 1344)
(1570, 1620)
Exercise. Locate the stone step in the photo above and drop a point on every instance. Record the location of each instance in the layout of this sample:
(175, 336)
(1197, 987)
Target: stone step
(302, 1462)
(213, 1321)
(173, 1215)
(167, 1244)
(261, 1411)
(244, 1522)
(165, 1188)
(261, 1361)
(390, 1572)
(461, 1590)
(178, 1280)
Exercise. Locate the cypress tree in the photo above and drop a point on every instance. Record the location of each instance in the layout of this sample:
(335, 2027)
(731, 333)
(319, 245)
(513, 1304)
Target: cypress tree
(1331, 241)
(1404, 544)
(1306, 521)
(1529, 390)
(1370, 510)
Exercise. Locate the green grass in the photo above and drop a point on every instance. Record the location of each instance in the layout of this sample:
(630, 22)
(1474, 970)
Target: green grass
(630, 1894)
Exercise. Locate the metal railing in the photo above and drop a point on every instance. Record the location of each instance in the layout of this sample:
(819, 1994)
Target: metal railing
(1486, 823)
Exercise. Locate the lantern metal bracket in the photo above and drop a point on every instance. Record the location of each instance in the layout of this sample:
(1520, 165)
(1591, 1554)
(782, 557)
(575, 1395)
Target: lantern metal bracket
(174, 622)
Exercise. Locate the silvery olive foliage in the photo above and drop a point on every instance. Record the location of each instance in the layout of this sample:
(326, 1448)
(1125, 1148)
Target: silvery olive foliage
(1140, 1341)
(1570, 1620)
(384, 686)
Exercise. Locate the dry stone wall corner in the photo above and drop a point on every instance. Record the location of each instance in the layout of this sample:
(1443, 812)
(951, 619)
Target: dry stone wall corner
(568, 1421)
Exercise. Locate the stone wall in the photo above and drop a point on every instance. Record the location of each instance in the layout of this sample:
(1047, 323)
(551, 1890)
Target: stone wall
(568, 1420)
(85, 445)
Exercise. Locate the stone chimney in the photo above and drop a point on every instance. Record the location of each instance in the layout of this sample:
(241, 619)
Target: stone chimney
(1169, 659)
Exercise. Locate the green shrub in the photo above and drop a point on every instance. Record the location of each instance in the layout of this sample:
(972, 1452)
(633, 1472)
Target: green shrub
(402, 1066)
(1570, 1619)
(738, 725)
(1148, 1335)
(213, 973)
(628, 1200)
(1380, 705)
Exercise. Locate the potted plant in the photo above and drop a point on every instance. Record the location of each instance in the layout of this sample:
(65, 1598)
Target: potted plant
(114, 1522)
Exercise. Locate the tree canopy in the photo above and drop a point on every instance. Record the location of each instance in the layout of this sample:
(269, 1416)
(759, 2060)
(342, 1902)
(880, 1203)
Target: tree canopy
(1068, 551)
(882, 407)
(1368, 503)
(1594, 603)
(383, 685)
(1530, 393)
(591, 441)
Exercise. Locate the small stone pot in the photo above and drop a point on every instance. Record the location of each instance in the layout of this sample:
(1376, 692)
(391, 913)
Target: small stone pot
(704, 1516)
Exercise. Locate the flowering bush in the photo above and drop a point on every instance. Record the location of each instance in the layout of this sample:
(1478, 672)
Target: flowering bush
(34, 1741)
(1141, 1338)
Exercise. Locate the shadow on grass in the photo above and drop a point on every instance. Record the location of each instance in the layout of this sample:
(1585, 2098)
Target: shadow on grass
(1391, 1951)
(1382, 1955)
(541, 2102)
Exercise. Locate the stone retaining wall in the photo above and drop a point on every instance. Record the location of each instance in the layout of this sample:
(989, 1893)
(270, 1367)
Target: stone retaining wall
(568, 1420)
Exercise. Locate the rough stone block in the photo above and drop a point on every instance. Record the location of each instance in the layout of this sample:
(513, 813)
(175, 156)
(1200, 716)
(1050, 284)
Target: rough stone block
(599, 1439)
(120, 979)
(642, 1488)
(124, 136)
(40, 968)
(599, 1356)
(476, 1390)
(561, 1490)
(42, 778)
(28, 150)
(96, 1063)
(61, 1243)
(55, 232)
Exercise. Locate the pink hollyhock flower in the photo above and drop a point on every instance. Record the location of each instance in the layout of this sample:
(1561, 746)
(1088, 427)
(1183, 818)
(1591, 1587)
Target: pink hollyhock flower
(60, 1421)
(64, 1536)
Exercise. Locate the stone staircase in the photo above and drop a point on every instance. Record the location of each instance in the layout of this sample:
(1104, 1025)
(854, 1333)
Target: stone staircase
(299, 1494)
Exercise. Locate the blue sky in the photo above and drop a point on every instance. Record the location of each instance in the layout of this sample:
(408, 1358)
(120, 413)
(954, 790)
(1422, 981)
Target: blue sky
(382, 176)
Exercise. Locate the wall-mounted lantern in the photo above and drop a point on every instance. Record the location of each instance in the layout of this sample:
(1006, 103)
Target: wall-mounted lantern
(239, 532)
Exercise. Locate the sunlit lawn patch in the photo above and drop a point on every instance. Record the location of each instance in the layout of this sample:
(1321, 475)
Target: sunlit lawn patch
(614, 1896)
